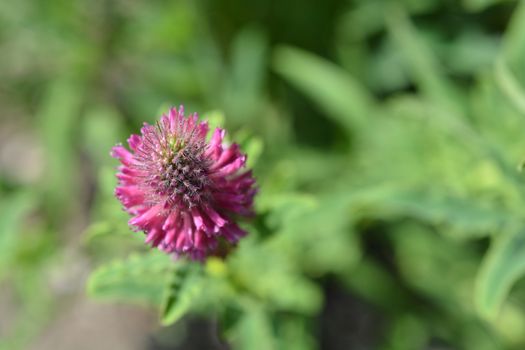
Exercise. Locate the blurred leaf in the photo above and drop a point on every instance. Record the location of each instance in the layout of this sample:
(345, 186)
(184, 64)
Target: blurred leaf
(467, 217)
(422, 254)
(13, 209)
(101, 229)
(373, 283)
(321, 236)
(168, 28)
(340, 95)
(251, 145)
(514, 40)
(471, 52)
(479, 5)
(243, 88)
(503, 265)
(476, 335)
(109, 237)
(421, 62)
(294, 334)
(253, 148)
(263, 271)
(102, 127)
(510, 86)
(215, 119)
(511, 322)
(284, 207)
(313, 166)
(182, 293)
(254, 329)
(387, 70)
(107, 181)
(419, 6)
(140, 279)
(58, 116)
(37, 307)
(450, 132)
(406, 332)
(109, 219)
(366, 18)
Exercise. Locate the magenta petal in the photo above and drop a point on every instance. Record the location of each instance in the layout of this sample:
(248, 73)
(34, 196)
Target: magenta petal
(226, 157)
(123, 154)
(134, 142)
(170, 221)
(197, 218)
(215, 217)
(199, 240)
(145, 217)
(182, 242)
(203, 129)
(154, 236)
(170, 236)
(215, 146)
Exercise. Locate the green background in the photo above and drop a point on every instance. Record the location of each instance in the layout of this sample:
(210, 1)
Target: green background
(388, 142)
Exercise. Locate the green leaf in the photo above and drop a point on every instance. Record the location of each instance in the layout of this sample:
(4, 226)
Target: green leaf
(363, 20)
(471, 52)
(320, 234)
(293, 333)
(254, 329)
(37, 307)
(501, 268)
(184, 289)
(267, 272)
(13, 208)
(478, 5)
(215, 119)
(450, 131)
(466, 216)
(510, 86)
(242, 89)
(253, 146)
(108, 217)
(406, 332)
(101, 229)
(367, 18)
(139, 279)
(332, 88)
(102, 127)
(514, 38)
(374, 284)
(58, 116)
(421, 61)
(422, 254)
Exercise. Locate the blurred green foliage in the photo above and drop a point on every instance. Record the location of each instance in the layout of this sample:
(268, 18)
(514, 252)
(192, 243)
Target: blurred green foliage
(386, 137)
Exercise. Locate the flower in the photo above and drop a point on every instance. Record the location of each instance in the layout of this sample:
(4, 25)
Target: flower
(182, 190)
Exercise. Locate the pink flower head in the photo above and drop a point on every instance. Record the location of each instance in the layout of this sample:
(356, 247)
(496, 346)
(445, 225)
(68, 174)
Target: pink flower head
(182, 190)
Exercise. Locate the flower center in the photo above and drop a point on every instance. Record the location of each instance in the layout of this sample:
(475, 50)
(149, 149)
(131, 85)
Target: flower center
(184, 177)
